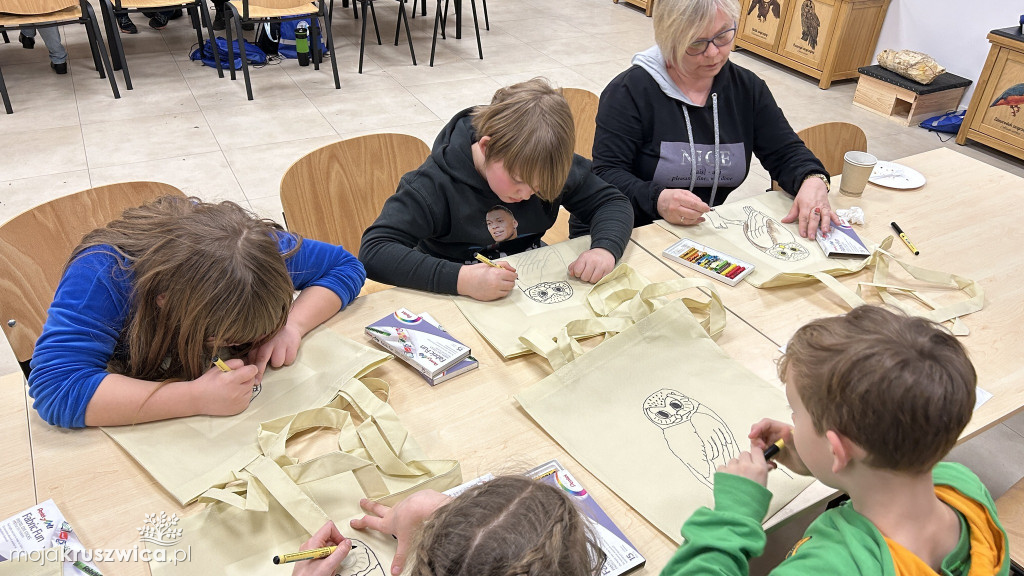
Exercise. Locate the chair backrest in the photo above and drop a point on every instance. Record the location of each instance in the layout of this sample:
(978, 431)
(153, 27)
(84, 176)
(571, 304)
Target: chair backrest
(831, 140)
(583, 104)
(25, 7)
(334, 193)
(35, 245)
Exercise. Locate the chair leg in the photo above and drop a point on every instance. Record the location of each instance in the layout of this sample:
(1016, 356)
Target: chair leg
(476, 27)
(362, 37)
(376, 29)
(444, 20)
(424, 7)
(97, 41)
(6, 40)
(487, 23)
(437, 22)
(241, 52)
(228, 23)
(3, 91)
(355, 9)
(334, 58)
(93, 42)
(402, 16)
(108, 26)
(204, 15)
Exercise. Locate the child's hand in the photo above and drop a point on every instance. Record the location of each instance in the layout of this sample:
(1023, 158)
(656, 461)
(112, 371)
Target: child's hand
(327, 535)
(278, 351)
(749, 464)
(402, 521)
(592, 265)
(766, 432)
(225, 393)
(486, 283)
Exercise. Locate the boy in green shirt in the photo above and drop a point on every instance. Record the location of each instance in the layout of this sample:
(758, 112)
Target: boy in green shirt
(878, 400)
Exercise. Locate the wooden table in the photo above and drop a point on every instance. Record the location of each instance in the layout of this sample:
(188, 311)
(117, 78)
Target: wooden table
(964, 220)
(473, 418)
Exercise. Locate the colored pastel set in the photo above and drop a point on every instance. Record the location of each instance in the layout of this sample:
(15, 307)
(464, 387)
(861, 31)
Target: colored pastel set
(707, 261)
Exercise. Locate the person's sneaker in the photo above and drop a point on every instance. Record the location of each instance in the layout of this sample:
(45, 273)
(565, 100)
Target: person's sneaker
(26, 42)
(126, 25)
(159, 22)
(175, 14)
(61, 68)
(218, 19)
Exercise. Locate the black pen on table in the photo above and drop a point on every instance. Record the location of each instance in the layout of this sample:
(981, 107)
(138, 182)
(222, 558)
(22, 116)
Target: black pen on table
(903, 236)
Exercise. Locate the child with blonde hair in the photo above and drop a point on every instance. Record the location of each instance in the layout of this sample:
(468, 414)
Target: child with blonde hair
(878, 400)
(146, 303)
(509, 526)
(517, 153)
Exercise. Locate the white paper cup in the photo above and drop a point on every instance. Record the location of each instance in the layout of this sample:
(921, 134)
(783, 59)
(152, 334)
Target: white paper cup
(857, 167)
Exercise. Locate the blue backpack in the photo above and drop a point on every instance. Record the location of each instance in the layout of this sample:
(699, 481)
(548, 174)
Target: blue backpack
(948, 123)
(279, 38)
(252, 53)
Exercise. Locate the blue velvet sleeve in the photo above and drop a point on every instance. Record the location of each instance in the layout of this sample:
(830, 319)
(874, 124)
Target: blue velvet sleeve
(321, 264)
(82, 327)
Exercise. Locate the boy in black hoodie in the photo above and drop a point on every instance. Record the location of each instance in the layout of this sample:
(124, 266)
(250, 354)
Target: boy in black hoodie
(516, 153)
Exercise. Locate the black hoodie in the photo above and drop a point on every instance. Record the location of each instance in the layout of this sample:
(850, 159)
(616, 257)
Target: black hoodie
(437, 219)
(642, 143)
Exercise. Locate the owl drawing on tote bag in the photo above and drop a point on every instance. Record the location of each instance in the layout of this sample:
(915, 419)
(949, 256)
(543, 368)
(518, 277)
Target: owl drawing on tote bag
(697, 436)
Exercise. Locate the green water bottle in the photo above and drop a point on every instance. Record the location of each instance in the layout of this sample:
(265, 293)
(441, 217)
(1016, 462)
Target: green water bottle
(302, 44)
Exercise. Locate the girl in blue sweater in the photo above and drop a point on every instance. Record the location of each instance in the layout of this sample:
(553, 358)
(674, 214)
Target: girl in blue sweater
(149, 300)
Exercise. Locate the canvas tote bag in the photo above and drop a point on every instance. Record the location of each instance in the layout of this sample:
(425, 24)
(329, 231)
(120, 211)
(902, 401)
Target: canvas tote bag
(653, 411)
(188, 455)
(619, 300)
(275, 502)
(549, 302)
(747, 230)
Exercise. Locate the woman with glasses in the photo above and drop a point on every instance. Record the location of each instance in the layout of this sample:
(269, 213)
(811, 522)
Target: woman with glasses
(675, 131)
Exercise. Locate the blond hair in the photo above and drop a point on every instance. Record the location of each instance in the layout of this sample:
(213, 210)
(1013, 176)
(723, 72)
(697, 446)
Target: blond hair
(216, 271)
(531, 132)
(510, 526)
(900, 387)
(677, 23)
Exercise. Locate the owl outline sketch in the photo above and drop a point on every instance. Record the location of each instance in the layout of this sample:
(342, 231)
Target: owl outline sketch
(694, 433)
(765, 233)
(360, 561)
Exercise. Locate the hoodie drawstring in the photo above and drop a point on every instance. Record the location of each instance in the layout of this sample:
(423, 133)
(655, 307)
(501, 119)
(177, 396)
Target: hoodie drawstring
(693, 148)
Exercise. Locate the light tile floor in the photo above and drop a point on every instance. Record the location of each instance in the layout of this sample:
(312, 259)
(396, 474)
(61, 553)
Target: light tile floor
(184, 126)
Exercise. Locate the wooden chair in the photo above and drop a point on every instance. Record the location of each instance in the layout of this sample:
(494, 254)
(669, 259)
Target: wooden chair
(197, 10)
(254, 11)
(36, 244)
(19, 14)
(1010, 507)
(829, 142)
(583, 104)
(334, 193)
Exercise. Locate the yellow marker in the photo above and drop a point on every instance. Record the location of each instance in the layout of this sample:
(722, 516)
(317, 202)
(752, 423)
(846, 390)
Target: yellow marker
(221, 364)
(772, 450)
(485, 260)
(903, 237)
(315, 554)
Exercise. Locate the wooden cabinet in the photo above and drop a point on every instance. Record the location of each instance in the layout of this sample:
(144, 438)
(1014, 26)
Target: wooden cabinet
(994, 117)
(826, 39)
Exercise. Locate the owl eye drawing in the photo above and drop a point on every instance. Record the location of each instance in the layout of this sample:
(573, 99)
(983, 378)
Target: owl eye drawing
(361, 561)
(549, 292)
(697, 436)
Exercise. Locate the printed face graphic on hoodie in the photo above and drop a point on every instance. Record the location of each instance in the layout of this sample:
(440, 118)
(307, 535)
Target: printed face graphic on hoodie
(501, 224)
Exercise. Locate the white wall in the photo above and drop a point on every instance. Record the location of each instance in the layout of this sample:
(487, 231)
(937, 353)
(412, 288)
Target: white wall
(951, 31)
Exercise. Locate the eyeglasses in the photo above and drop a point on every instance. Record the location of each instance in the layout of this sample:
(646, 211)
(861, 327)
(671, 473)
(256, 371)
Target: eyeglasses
(722, 39)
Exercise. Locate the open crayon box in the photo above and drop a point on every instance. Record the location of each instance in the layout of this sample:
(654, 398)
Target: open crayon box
(709, 261)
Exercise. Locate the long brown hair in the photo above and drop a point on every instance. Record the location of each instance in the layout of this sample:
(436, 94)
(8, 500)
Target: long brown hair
(510, 526)
(206, 276)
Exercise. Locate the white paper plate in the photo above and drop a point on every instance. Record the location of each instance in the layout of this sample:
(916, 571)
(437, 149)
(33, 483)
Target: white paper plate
(893, 175)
